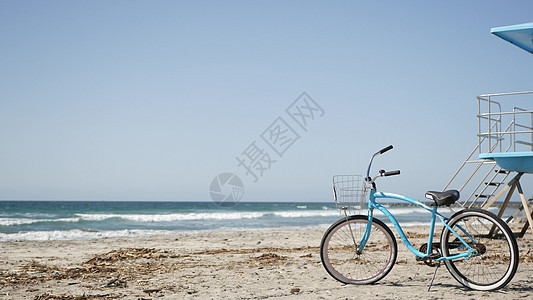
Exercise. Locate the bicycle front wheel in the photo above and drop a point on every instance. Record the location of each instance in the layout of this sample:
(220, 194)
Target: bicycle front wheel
(340, 255)
(496, 259)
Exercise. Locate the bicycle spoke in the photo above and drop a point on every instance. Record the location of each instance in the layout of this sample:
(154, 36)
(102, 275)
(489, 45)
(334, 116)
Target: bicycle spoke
(342, 259)
(494, 262)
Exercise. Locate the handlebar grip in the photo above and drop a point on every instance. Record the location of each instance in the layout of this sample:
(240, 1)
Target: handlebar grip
(385, 149)
(391, 173)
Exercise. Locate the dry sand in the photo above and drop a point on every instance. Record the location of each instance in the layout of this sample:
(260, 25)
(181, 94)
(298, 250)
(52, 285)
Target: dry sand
(270, 264)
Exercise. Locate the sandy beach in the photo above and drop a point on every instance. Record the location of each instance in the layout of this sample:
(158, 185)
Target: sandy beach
(263, 264)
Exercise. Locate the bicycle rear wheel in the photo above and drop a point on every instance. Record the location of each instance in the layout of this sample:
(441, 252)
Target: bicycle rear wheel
(338, 251)
(496, 260)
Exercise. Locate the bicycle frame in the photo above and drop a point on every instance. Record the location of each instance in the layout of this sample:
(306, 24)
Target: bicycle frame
(374, 194)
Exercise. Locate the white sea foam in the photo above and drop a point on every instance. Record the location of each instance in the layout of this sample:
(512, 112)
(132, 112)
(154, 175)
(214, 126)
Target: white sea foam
(21, 221)
(76, 234)
(148, 218)
(173, 217)
(228, 215)
(304, 214)
(208, 216)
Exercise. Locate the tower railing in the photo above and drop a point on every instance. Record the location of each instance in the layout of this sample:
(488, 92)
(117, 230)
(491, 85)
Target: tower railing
(518, 134)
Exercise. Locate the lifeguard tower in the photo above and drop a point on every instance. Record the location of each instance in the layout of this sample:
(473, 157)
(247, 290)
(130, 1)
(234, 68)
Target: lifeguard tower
(504, 153)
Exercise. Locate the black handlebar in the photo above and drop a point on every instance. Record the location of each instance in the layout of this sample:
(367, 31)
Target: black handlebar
(385, 149)
(391, 173)
(381, 172)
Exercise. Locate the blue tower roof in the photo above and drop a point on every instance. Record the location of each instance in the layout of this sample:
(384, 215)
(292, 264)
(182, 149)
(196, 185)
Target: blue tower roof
(520, 35)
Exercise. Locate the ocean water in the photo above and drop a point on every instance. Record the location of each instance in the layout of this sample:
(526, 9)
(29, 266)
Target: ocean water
(81, 220)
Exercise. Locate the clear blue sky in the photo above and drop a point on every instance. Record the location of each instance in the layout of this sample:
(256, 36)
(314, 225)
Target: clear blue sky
(150, 100)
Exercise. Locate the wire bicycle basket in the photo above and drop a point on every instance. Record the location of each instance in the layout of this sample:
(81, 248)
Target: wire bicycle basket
(350, 193)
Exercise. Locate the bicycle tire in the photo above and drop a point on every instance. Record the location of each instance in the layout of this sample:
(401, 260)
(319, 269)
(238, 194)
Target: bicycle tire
(341, 260)
(496, 262)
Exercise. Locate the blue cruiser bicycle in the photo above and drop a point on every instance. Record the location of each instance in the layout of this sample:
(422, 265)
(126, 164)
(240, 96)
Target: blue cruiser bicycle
(477, 247)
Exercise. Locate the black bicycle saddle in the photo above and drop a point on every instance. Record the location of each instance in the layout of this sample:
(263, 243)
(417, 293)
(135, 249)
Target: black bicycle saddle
(445, 198)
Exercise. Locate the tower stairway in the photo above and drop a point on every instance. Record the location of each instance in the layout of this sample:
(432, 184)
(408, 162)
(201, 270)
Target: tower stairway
(498, 162)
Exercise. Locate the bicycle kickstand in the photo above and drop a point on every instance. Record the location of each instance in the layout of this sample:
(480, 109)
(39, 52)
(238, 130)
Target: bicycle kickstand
(434, 274)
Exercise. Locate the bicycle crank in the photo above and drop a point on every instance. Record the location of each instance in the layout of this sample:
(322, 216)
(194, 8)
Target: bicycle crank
(430, 259)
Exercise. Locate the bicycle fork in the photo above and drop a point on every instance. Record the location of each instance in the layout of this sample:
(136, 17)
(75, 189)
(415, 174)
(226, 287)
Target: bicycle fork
(359, 246)
(366, 235)
(356, 247)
